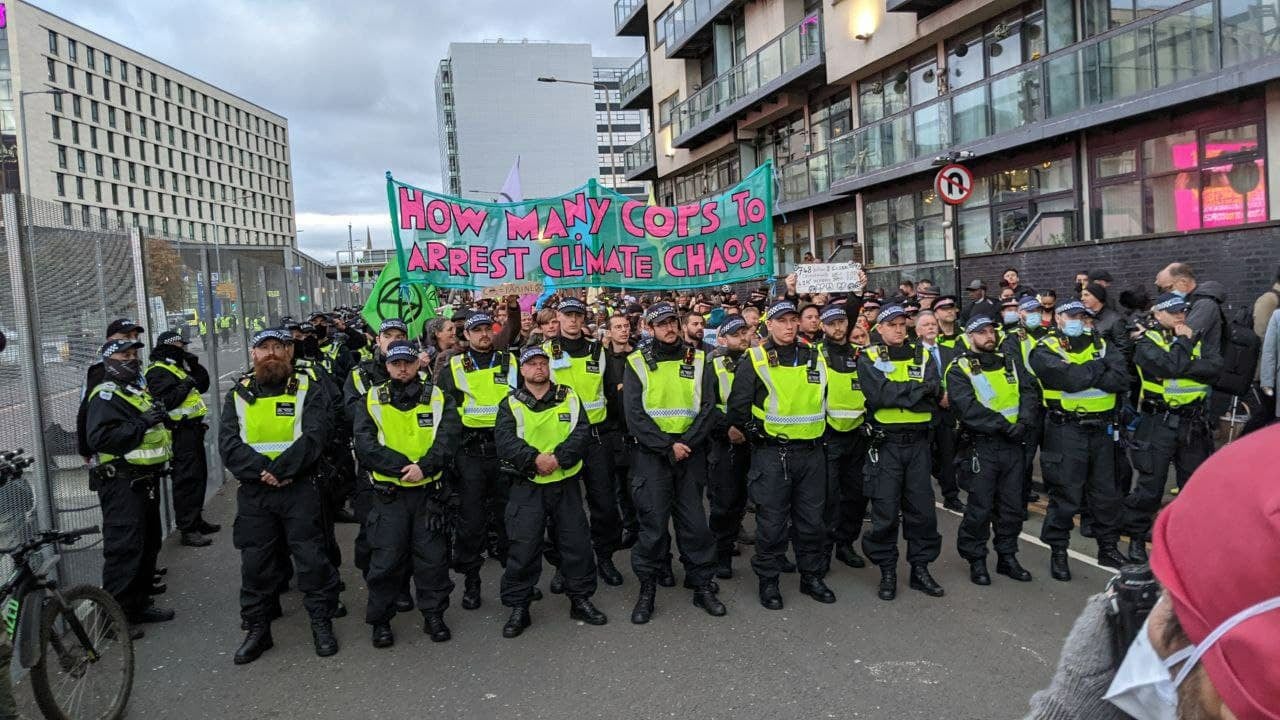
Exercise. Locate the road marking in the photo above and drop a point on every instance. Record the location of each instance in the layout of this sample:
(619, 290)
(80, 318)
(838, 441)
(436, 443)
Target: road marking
(1087, 560)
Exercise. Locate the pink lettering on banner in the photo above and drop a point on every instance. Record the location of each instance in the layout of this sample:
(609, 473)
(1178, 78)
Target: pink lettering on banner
(412, 215)
(458, 262)
(4, 17)
(479, 259)
(575, 209)
(555, 227)
(750, 209)
(599, 208)
(643, 267)
(706, 261)
(469, 219)
(684, 213)
(522, 227)
(438, 218)
(628, 223)
(499, 270)
(712, 219)
(517, 264)
(416, 261)
(659, 221)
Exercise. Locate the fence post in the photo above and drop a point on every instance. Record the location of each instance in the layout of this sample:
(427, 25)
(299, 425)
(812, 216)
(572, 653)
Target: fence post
(244, 328)
(215, 378)
(29, 352)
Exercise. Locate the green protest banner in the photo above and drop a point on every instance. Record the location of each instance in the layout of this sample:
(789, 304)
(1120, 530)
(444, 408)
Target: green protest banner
(589, 237)
(390, 298)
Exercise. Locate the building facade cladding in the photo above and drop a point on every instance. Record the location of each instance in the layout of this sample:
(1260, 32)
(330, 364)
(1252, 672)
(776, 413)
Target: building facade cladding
(132, 141)
(1102, 134)
(623, 127)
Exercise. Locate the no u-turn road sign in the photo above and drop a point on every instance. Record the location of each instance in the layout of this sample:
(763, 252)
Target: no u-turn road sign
(954, 184)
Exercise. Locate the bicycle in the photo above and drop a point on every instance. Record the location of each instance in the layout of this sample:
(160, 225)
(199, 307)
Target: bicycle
(71, 641)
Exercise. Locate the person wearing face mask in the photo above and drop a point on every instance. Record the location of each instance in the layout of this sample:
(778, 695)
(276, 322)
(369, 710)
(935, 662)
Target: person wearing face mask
(730, 456)
(405, 437)
(1207, 650)
(121, 329)
(991, 399)
(1017, 345)
(846, 443)
(1010, 320)
(333, 345)
(275, 424)
(669, 397)
(125, 429)
(1080, 377)
(177, 381)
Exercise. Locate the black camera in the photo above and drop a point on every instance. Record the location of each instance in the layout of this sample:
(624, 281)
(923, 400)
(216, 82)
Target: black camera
(1130, 597)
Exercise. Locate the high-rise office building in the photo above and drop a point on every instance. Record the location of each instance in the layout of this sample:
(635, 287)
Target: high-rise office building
(121, 139)
(616, 129)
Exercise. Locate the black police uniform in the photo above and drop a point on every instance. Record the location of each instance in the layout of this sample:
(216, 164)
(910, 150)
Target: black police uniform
(532, 507)
(405, 529)
(621, 445)
(367, 374)
(846, 504)
(1034, 417)
(943, 438)
(727, 466)
(189, 464)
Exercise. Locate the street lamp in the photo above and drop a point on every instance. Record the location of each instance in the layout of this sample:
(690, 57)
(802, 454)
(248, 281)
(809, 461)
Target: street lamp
(608, 117)
(26, 163)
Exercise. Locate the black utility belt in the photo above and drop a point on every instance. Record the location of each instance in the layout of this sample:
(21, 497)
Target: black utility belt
(771, 441)
(1151, 407)
(128, 471)
(1098, 419)
(899, 434)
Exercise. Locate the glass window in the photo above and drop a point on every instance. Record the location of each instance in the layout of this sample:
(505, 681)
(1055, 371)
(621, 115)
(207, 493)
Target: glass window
(1248, 29)
(1170, 152)
(1185, 45)
(964, 61)
(71, 49)
(1120, 210)
(924, 78)
(1111, 164)
(53, 43)
(969, 115)
(1004, 45)
(1015, 100)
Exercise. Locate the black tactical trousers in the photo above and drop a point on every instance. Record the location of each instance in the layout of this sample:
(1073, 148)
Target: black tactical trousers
(846, 504)
(531, 509)
(1183, 440)
(482, 495)
(1078, 462)
(897, 481)
(789, 484)
(727, 480)
(1030, 446)
(130, 539)
(400, 545)
(994, 475)
(190, 474)
(269, 518)
(620, 447)
(599, 482)
(664, 491)
(943, 450)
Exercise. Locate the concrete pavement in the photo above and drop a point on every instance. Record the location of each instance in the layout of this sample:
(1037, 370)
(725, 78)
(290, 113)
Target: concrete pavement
(977, 653)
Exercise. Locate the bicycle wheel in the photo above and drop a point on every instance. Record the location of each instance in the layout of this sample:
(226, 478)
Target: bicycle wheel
(69, 681)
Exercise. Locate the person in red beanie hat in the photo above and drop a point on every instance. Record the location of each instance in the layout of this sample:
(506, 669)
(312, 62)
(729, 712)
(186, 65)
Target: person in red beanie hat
(1210, 650)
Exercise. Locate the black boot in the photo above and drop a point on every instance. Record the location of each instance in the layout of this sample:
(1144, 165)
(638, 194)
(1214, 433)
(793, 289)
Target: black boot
(705, 598)
(193, 538)
(518, 621)
(471, 591)
(1059, 568)
(888, 583)
(322, 633)
(813, 586)
(770, 595)
(433, 626)
(207, 528)
(608, 571)
(580, 608)
(644, 604)
(847, 555)
(978, 572)
(921, 580)
(557, 583)
(688, 584)
(667, 576)
(724, 566)
(382, 636)
(1138, 551)
(255, 643)
(1109, 556)
(1009, 566)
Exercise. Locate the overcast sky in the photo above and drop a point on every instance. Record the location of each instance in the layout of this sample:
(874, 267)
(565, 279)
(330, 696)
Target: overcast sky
(355, 80)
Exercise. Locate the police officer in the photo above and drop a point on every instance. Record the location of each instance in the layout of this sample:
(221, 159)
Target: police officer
(579, 363)
(121, 329)
(618, 346)
(669, 401)
(902, 387)
(730, 456)
(274, 429)
(126, 430)
(778, 400)
(177, 381)
(406, 437)
(845, 440)
(542, 433)
(1174, 422)
(478, 378)
(991, 398)
(949, 327)
(1018, 344)
(1080, 376)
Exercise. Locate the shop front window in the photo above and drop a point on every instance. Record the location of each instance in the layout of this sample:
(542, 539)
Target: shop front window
(905, 230)
(1005, 208)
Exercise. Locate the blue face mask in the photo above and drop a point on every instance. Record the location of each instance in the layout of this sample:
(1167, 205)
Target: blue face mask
(1033, 320)
(1010, 318)
(1073, 328)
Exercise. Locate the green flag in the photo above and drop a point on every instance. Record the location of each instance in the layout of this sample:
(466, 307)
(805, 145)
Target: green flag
(414, 304)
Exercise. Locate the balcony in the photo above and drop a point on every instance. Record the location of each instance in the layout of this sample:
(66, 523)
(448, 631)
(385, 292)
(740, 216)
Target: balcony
(804, 182)
(687, 26)
(639, 161)
(788, 58)
(1180, 55)
(920, 7)
(630, 18)
(635, 88)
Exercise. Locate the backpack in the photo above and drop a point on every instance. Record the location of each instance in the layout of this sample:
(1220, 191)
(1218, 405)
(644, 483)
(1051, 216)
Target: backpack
(1241, 348)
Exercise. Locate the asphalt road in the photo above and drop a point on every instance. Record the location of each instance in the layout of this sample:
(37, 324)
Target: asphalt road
(977, 653)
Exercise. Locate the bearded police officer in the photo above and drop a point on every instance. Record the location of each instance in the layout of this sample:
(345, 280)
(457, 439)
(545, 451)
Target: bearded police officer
(1080, 377)
(274, 428)
(579, 363)
(845, 440)
(730, 454)
(778, 400)
(177, 381)
(405, 438)
(1174, 423)
(669, 402)
(991, 398)
(903, 387)
(542, 433)
(478, 378)
(125, 429)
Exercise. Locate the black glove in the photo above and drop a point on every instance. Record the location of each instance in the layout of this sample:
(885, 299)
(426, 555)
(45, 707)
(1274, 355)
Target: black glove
(155, 415)
(1016, 432)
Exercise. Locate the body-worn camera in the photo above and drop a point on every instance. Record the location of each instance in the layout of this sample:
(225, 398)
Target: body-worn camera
(1130, 597)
